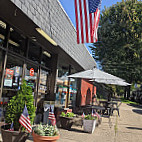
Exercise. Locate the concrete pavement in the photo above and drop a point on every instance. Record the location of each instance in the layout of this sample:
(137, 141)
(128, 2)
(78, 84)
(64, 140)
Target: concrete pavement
(126, 128)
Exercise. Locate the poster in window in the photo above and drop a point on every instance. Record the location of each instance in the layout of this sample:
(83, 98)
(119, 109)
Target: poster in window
(8, 78)
(17, 71)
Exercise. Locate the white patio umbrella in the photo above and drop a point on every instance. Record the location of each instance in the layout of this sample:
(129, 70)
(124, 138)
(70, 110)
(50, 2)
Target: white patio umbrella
(95, 74)
(113, 82)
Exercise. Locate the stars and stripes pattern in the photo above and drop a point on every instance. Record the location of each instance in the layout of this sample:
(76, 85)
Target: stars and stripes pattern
(25, 120)
(87, 20)
(52, 118)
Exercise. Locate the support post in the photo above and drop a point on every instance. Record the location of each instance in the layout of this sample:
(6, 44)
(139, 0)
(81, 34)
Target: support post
(68, 90)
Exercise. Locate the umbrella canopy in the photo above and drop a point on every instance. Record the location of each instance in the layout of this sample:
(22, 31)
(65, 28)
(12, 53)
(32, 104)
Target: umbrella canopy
(94, 74)
(113, 82)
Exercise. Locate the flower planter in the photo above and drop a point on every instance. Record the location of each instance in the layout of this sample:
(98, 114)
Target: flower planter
(89, 125)
(66, 122)
(38, 138)
(13, 136)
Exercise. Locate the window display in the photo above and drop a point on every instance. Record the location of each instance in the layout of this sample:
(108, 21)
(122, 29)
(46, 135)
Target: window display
(43, 82)
(13, 73)
(31, 76)
(62, 90)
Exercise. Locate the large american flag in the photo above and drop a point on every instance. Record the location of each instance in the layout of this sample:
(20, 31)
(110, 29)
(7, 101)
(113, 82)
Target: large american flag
(52, 118)
(87, 20)
(25, 120)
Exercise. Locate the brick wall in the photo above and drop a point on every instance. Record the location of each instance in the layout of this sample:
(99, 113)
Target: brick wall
(50, 16)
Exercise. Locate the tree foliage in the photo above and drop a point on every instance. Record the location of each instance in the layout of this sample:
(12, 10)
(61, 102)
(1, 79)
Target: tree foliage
(17, 103)
(119, 48)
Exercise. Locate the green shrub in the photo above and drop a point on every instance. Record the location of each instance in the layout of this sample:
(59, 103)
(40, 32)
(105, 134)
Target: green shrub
(17, 103)
(46, 130)
(90, 117)
(68, 114)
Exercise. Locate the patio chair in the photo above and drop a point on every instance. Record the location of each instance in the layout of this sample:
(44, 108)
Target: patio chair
(116, 108)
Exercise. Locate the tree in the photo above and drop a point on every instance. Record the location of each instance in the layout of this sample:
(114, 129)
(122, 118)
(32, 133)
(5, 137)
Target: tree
(119, 48)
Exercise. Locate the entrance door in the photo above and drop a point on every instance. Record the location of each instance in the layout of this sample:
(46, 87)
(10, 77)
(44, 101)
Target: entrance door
(31, 76)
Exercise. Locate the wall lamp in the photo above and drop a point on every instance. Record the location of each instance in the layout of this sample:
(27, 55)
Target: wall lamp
(47, 54)
(10, 41)
(46, 36)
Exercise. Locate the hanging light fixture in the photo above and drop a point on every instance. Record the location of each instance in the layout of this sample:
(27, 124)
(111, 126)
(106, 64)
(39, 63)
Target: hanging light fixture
(46, 36)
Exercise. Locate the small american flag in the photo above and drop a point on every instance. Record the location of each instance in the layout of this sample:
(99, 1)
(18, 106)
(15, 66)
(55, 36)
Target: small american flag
(98, 115)
(25, 120)
(93, 114)
(51, 117)
(83, 115)
(87, 20)
(11, 127)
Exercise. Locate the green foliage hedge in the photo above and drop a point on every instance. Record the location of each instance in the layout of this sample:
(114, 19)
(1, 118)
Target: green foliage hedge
(17, 103)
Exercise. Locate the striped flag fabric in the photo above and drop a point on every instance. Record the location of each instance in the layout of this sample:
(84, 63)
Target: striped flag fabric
(87, 14)
(51, 117)
(83, 115)
(93, 114)
(24, 120)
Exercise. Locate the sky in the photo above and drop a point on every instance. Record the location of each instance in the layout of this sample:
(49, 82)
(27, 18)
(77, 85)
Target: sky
(68, 5)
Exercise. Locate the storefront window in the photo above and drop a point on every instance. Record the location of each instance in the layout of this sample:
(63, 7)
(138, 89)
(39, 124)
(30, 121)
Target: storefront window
(46, 59)
(34, 52)
(62, 90)
(13, 73)
(43, 82)
(2, 32)
(17, 42)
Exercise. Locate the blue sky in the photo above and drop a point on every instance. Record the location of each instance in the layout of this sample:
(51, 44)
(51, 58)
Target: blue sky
(68, 5)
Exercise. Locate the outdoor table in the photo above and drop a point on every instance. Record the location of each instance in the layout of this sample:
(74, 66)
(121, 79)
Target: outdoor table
(94, 107)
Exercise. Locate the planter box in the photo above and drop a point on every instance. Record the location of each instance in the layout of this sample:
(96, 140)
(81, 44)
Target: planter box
(66, 122)
(13, 136)
(38, 138)
(89, 125)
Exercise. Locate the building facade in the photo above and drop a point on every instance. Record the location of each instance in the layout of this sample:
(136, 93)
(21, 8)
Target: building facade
(37, 38)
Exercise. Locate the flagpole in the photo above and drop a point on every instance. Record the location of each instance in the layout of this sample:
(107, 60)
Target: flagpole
(20, 128)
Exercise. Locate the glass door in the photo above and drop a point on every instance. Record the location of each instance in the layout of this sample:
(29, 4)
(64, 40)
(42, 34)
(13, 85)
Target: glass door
(31, 76)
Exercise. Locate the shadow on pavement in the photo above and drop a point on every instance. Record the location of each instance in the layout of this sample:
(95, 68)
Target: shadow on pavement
(77, 130)
(139, 111)
(134, 128)
(134, 105)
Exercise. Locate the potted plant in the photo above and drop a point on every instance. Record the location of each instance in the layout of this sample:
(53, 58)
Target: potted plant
(67, 119)
(89, 123)
(14, 110)
(47, 133)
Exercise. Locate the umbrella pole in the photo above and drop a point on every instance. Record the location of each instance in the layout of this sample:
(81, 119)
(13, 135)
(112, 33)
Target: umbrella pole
(92, 93)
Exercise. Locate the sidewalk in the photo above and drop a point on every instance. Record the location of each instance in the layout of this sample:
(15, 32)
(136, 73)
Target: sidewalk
(126, 128)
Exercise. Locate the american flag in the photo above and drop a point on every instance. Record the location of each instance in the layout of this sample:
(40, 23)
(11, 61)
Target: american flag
(24, 120)
(87, 20)
(98, 115)
(11, 127)
(93, 114)
(52, 118)
(83, 115)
